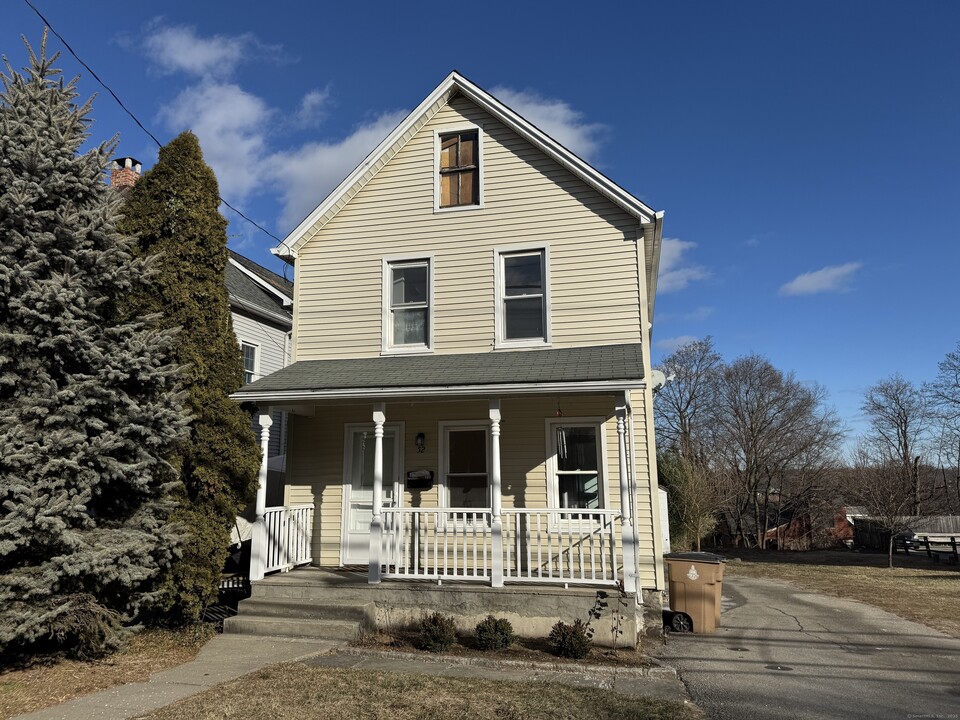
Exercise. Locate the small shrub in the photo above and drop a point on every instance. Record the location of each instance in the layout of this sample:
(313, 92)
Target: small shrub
(438, 632)
(494, 633)
(570, 641)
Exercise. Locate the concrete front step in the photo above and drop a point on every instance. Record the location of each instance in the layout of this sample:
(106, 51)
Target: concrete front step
(292, 628)
(306, 609)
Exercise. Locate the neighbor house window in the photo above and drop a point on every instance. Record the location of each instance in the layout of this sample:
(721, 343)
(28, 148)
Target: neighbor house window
(576, 465)
(250, 361)
(459, 169)
(522, 288)
(408, 304)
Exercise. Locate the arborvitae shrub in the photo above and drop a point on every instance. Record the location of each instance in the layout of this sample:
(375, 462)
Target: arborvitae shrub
(494, 633)
(570, 641)
(438, 632)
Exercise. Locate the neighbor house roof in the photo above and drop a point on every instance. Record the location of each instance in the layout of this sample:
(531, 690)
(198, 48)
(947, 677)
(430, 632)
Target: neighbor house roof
(252, 288)
(452, 85)
(614, 367)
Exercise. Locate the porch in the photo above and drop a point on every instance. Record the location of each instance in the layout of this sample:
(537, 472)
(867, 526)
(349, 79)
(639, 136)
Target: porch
(398, 531)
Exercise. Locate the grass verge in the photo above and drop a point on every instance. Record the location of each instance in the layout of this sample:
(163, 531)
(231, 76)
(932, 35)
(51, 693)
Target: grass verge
(292, 690)
(40, 686)
(917, 589)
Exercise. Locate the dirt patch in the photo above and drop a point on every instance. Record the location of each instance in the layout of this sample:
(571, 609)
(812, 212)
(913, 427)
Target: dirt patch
(917, 589)
(293, 690)
(40, 686)
(522, 649)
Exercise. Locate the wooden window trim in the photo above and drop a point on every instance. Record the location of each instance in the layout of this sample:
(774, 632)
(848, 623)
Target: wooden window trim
(477, 168)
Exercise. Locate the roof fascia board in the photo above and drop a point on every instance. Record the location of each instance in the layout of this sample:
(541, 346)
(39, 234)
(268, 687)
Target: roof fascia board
(249, 307)
(292, 242)
(439, 391)
(452, 83)
(555, 150)
(262, 283)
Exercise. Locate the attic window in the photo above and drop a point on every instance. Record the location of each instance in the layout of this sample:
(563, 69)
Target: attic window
(459, 169)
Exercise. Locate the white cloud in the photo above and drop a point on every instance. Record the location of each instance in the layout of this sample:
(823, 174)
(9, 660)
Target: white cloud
(671, 344)
(312, 108)
(309, 172)
(556, 118)
(230, 124)
(674, 275)
(179, 48)
(832, 278)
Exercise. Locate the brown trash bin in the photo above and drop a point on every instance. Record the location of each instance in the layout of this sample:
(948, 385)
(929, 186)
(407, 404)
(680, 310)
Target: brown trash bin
(695, 586)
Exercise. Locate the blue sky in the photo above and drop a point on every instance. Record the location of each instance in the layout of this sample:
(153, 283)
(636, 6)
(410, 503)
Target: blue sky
(807, 155)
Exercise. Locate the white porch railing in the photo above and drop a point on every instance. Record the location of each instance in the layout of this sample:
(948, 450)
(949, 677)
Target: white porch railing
(289, 531)
(437, 543)
(537, 545)
(560, 546)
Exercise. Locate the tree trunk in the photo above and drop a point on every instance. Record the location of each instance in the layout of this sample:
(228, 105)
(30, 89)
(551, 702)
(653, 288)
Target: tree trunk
(890, 551)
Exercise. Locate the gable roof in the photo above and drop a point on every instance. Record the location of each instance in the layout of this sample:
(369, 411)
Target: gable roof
(453, 84)
(577, 369)
(251, 288)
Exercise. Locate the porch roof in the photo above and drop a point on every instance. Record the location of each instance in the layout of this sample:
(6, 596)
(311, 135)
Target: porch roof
(554, 369)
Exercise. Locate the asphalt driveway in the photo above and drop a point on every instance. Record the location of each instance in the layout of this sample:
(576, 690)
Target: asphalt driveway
(785, 653)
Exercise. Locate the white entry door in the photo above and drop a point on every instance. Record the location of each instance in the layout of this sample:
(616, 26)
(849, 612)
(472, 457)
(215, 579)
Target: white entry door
(358, 487)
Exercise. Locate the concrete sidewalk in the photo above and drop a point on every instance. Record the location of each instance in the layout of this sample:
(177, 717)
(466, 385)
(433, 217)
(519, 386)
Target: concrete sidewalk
(223, 658)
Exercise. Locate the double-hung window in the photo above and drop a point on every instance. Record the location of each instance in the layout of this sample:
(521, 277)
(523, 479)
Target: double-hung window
(459, 170)
(576, 465)
(466, 467)
(407, 293)
(250, 361)
(522, 312)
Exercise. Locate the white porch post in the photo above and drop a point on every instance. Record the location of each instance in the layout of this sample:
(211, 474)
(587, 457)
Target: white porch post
(376, 524)
(258, 540)
(496, 510)
(626, 530)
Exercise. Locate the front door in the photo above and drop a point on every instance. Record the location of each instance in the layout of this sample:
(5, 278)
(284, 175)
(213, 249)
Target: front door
(358, 487)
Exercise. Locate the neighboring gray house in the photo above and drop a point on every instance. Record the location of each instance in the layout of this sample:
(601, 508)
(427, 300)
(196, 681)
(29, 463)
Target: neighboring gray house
(261, 304)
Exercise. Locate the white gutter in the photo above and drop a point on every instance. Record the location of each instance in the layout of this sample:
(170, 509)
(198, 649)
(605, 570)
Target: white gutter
(280, 396)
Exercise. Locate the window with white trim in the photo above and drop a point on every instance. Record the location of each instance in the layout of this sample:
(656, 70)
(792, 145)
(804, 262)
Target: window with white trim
(251, 361)
(466, 478)
(576, 465)
(522, 301)
(408, 304)
(459, 169)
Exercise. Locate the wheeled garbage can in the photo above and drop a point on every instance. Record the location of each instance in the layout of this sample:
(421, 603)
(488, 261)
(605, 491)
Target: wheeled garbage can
(695, 582)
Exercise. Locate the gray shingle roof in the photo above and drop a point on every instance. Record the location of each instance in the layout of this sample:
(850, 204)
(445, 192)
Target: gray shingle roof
(243, 288)
(602, 363)
(268, 276)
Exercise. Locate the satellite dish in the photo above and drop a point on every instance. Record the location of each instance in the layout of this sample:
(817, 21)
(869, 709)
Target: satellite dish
(657, 380)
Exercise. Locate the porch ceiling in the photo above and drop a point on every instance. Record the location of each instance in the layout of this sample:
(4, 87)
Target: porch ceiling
(555, 369)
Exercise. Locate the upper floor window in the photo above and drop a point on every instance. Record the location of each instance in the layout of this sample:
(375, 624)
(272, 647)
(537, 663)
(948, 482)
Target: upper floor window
(522, 316)
(459, 169)
(407, 309)
(251, 361)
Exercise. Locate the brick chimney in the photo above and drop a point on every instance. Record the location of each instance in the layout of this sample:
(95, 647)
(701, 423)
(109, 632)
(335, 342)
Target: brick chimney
(125, 173)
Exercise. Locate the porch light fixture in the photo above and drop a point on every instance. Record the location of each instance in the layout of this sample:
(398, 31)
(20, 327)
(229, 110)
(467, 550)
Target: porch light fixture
(421, 441)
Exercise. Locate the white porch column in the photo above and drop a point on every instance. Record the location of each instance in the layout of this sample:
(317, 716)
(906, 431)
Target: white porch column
(496, 509)
(376, 524)
(626, 531)
(258, 540)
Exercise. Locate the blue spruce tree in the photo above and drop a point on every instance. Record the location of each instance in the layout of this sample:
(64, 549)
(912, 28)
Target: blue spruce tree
(90, 405)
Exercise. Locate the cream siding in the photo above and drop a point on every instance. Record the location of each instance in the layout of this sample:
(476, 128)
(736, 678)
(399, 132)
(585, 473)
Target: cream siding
(528, 199)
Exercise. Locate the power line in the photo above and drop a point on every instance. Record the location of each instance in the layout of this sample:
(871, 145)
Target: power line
(129, 112)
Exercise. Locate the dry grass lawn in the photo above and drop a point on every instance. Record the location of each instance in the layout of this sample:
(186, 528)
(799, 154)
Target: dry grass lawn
(41, 686)
(917, 589)
(297, 691)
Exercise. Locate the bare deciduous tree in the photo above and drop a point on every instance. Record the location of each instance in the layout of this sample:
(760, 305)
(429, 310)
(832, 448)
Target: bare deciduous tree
(693, 498)
(775, 440)
(899, 415)
(683, 406)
